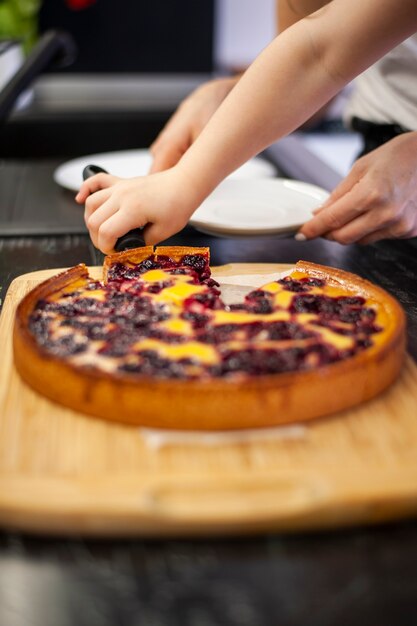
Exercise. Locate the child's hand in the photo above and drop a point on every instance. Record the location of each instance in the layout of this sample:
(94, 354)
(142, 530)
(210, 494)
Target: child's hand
(377, 200)
(187, 122)
(161, 202)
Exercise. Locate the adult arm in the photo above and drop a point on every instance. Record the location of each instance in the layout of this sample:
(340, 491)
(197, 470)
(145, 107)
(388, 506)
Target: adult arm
(377, 200)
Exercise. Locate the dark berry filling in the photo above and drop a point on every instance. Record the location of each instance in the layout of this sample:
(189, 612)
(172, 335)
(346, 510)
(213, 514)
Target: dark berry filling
(219, 334)
(283, 331)
(128, 314)
(303, 284)
(120, 272)
(65, 346)
(150, 363)
(322, 305)
(197, 262)
(95, 330)
(260, 362)
(158, 287)
(263, 306)
(259, 301)
(257, 294)
(205, 300)
(40, 326)
(198, 320)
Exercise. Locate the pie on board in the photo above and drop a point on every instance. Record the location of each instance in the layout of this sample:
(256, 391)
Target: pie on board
(153, 344)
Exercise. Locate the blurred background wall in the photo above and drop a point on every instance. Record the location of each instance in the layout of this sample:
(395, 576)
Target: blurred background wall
(135, 35)
(242, 29)
(162, 35)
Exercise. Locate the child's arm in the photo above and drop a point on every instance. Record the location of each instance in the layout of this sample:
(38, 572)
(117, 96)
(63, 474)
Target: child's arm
(196, 110)
(299, 72)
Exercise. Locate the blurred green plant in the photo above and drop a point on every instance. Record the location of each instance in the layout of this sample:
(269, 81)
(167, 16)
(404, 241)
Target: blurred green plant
(19, 20)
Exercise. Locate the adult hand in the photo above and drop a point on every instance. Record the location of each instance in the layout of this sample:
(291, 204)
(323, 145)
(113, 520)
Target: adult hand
(162, 203)
(377, 200)
(187, 122)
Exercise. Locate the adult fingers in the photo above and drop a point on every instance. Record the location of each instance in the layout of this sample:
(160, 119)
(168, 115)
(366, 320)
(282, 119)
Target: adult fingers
(400, 231)
(347, 184)
(359, 228)
(334, 216)
(392, 220)
(377, 235)
(93, 184)
(344, 187)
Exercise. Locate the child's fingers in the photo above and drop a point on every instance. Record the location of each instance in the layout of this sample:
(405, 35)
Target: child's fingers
(114, 227)
(94, 201)
(93, 184)
(154, 234)
(99, 217)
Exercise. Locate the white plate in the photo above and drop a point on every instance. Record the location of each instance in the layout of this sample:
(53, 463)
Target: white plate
(258, 207)
(128, 163)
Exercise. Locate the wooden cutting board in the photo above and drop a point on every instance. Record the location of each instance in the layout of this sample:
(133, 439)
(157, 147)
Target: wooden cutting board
(63, 472)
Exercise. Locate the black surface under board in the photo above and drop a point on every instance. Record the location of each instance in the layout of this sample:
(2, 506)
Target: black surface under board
(349, 577)
(31, 203)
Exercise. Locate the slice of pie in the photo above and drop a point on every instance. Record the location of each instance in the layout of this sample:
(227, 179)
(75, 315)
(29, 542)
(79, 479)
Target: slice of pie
(154, 344)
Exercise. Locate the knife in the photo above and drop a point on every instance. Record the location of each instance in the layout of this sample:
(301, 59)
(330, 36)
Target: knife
(133, 238)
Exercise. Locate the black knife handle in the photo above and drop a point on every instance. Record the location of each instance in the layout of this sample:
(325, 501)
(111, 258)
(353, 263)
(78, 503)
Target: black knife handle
(132, 239)
(92, 170)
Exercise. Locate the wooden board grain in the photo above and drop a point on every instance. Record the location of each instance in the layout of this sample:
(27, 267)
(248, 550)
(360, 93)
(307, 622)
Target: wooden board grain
(63, 472)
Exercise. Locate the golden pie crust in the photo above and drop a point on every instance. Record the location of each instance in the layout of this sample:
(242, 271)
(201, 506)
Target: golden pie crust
(214, 403)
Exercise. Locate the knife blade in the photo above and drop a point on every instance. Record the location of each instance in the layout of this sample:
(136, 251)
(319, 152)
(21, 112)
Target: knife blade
(133, 238)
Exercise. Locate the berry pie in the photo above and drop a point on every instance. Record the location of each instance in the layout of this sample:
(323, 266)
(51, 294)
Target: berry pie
(154, 344)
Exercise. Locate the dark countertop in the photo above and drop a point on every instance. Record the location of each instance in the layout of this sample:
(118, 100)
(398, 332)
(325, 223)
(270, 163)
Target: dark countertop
(347, 577)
